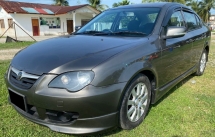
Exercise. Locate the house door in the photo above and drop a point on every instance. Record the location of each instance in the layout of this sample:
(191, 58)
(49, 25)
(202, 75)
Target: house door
(35, 27)
(69, 26)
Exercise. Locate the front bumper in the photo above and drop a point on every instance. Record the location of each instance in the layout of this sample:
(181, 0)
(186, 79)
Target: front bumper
(96, 108)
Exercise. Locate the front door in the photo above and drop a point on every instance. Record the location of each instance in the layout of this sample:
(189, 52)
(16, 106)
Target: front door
(69, 26)
(176, 57)
(35, 27)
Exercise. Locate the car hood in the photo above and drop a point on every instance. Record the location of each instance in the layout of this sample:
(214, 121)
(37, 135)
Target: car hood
(69, 53)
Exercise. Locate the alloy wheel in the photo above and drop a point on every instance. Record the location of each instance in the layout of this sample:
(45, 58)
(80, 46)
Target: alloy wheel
(137, 102)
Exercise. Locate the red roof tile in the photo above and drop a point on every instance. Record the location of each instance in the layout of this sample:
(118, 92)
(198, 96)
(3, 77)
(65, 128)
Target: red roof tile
(11, 7)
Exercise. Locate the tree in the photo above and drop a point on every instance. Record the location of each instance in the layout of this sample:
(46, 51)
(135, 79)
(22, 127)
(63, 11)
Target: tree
(194, 5)
(97, 4)
(124, 2)
(205, 7)
(61, 2)
(202, 8)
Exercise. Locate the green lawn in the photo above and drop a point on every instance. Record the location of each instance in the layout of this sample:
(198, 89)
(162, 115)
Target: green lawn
(188, 110)
(15, 45)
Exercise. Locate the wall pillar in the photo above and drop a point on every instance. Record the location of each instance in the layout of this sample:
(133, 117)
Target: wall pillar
(74, 21)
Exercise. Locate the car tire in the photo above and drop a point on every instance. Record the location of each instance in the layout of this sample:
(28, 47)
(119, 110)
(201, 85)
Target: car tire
(135, 103)
(202, 63)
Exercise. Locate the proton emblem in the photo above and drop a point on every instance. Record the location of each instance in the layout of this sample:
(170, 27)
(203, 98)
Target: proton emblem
(19, 76)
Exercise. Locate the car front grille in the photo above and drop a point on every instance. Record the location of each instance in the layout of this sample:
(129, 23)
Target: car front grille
(26, 81)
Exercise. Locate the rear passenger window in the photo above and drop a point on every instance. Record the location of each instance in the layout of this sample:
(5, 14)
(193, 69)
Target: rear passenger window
(176, 20)
(190, 20)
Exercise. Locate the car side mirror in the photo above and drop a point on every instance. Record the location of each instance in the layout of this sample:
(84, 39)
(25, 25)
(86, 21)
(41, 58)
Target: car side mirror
(175, 32)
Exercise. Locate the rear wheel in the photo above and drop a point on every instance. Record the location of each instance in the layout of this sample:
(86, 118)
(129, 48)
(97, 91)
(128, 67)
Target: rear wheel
(135, 103)
(202, 63)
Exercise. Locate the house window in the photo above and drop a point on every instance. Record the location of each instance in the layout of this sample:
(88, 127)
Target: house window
(52, 23)
(10, 23)
(2, 23)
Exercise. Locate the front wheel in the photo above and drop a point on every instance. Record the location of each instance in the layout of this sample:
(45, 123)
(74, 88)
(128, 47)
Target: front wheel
(202, 63)
(135, 103)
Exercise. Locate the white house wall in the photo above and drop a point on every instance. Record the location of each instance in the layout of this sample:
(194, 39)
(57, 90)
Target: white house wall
(4, 15)
(24, 21)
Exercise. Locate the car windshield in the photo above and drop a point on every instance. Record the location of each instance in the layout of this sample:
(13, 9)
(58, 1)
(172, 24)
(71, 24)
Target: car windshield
(122, 22)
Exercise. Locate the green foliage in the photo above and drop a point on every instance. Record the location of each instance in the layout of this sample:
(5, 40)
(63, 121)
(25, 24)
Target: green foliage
(61, 2)
(97, 5)
(202, 8)
(124, 2)
(15, 45)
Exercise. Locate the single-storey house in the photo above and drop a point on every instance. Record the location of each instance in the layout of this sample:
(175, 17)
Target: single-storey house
(42, 19)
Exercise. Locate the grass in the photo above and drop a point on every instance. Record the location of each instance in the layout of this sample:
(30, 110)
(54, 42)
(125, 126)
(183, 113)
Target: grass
(187, 110)
(15, 45)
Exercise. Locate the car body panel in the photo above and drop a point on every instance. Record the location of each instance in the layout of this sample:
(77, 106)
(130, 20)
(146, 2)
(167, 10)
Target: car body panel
(115, 61)
(43, 57)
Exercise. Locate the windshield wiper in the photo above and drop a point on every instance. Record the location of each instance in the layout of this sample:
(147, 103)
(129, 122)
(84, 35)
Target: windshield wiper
(89, 32)
(98, 33)
(129, 32)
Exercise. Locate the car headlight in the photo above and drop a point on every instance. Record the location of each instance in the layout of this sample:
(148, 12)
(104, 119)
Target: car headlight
(72, 81)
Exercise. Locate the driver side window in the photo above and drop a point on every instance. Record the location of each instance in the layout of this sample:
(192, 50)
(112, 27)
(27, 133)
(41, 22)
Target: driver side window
(176, 20)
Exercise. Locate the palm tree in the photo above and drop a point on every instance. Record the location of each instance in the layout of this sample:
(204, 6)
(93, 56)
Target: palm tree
(61, 2)
(194, 5)
(97, 4)
(124, 2)
(205, 7)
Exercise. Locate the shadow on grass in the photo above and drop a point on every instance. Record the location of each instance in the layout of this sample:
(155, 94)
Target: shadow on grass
(116, 130)
(172, 90)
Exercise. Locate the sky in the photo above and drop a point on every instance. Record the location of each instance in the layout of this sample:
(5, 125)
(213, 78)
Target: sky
(78, 2)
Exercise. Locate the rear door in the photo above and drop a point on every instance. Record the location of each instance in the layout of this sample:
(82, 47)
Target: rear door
(196, 34)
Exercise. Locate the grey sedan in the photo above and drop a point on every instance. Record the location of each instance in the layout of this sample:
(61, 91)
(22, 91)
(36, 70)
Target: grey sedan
(109, 72)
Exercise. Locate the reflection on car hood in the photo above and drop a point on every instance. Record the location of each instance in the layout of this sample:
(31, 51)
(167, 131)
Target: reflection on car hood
(69, 53)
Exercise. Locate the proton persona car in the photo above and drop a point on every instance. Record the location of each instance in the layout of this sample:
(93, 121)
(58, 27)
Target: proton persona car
(109, 72)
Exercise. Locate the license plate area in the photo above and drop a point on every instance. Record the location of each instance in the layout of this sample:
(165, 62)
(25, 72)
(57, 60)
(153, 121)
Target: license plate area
(18, 100)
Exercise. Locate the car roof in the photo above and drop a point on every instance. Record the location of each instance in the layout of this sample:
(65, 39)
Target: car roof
(154, 4)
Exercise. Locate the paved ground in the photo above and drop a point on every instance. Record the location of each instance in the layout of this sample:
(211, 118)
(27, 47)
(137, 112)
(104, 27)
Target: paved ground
(8, 53)
(37, 38)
